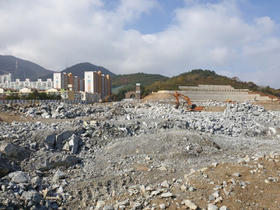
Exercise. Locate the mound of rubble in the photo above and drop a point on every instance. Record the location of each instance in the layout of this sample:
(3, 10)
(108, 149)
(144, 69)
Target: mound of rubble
(135, 156)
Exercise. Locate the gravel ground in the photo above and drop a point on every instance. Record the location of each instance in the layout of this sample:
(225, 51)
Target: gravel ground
(140, 155)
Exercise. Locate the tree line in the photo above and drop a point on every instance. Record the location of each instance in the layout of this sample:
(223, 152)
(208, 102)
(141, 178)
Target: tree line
(193, 78)
(35, 95)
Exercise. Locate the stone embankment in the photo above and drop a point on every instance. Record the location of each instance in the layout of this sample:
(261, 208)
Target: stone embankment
(137, 156)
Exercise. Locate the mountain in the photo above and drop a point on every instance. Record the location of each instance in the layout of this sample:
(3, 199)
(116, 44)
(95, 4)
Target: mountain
(132, 79)
(80, 68)
(201, 77)
(208, 77)
(21, 69)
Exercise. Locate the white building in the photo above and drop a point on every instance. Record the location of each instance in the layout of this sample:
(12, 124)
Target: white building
(6, 78)
(18, 84)
(89, 82)
(25, 90)
(57, 81)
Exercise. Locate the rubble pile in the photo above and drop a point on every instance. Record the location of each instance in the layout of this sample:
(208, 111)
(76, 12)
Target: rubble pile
(237, 119)
(123, 155)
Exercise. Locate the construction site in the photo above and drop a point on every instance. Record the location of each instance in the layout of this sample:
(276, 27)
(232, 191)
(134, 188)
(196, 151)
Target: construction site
(204, 147)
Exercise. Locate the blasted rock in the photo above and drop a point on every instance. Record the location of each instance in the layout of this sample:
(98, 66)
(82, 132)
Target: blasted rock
(49, 141)
(19, 177)
(5, 166)
(60, 138)
(13, 151)
(74, 144)
(55, 161)
(31, 195)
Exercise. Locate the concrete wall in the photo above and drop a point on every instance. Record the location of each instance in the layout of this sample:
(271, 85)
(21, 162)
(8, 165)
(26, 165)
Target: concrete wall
(132, 94)
(220, 95)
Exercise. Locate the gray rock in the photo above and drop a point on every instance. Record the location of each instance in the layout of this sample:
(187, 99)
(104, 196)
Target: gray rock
(19, 177)
(166, 195)
(107, 207)
(36, 181)
(4, 170)
(236, 174)
(60, 190)
(216, 194)
(14, 151)
(99, 204)
(137, 206)
(31, 195)
(74, 144)
(60, 138)
(212, 207)
(5, 166)
(66, 146)
(191, 189)
(56, 161)
(59, 175)
(190, 204)
(165, 184)
(49, 141)
(162, 206)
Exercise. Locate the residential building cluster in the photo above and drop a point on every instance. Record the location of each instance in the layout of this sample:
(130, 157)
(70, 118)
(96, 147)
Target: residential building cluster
(7, 81)
(94, 87)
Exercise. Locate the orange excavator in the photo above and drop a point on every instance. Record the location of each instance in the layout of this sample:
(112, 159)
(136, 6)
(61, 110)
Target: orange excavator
(191, 107)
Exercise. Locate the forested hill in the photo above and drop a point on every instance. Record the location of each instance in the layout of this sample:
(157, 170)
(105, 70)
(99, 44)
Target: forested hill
(132, 79)
(207, 77)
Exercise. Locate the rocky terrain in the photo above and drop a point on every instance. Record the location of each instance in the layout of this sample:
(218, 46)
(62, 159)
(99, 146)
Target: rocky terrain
(139, 155)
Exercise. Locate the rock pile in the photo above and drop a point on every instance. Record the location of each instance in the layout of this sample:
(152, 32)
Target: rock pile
(120, 155)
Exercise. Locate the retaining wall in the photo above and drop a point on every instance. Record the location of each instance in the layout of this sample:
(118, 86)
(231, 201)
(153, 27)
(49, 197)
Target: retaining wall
(220, 95)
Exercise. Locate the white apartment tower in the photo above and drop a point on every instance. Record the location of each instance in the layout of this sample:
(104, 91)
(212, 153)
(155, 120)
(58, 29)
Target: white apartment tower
(89, 82)
(57, 80)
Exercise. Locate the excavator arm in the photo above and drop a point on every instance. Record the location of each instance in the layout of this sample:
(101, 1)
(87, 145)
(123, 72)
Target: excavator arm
(191, 107)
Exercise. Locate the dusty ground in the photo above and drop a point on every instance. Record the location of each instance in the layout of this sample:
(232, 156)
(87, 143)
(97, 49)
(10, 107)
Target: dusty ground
(269, 105)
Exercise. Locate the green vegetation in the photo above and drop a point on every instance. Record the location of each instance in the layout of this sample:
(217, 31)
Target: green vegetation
(124, 83)
(207, 77)
(121, 93)
(195, 77)
(34, 95)
(132, 79)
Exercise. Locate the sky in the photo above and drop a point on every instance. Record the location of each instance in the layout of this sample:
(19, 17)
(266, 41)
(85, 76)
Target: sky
(234, 38)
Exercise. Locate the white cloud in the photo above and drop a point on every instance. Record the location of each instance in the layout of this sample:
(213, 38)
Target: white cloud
(54, 33)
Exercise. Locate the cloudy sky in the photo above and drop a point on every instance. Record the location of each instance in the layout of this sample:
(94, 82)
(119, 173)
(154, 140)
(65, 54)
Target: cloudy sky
(169, 37)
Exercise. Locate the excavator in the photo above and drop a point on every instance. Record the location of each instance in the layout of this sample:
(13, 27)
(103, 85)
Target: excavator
(108, 98)
(191, 107)
(229, 101)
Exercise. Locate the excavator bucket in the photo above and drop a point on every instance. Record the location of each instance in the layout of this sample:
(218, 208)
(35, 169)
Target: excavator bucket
(197, 109)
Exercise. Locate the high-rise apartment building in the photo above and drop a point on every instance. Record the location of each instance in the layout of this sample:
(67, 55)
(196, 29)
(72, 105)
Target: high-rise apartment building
(57, 80)
(96, 82)
(6, 78)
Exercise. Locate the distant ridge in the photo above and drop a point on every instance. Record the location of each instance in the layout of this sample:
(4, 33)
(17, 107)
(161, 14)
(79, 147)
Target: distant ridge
(21, 69)
(79, 69)
(132, 79)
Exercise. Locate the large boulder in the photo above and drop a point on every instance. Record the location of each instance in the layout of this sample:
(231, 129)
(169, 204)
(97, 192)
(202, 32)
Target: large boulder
(54, 161)
(19, 177)
(13, 151)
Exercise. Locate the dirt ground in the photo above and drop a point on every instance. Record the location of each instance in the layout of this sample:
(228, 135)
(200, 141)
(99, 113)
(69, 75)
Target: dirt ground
(269, 105)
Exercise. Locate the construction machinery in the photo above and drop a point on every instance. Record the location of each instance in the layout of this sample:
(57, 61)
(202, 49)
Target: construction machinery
(229, 101)
(190, 107)
(108, 98)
